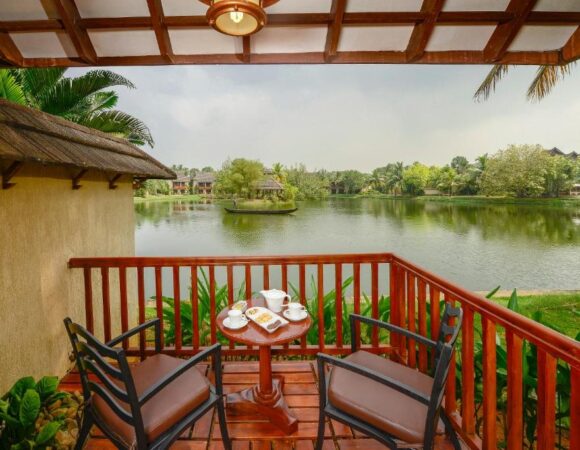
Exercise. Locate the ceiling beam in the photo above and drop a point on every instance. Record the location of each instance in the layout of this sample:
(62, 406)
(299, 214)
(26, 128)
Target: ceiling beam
(571, 51)
(160, 28)
(505, 33)
(356, 18)
(334, 29)
(9, 52)
(71, 20)
(423, 31)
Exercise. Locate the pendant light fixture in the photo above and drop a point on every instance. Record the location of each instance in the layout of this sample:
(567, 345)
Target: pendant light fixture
(237, 17)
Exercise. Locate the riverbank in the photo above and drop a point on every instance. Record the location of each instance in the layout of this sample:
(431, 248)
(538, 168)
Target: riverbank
(573, 202)
(167, 198)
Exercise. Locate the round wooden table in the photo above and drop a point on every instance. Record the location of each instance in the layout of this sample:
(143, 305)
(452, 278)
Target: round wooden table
(266, 397)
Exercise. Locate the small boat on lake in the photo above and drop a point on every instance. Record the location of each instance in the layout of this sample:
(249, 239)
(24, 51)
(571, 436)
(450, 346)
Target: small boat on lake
(260, 211)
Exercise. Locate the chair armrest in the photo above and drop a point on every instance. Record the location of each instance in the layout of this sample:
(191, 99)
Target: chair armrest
(127, 334)
(214, 350)
(389, 326)
(373, 375)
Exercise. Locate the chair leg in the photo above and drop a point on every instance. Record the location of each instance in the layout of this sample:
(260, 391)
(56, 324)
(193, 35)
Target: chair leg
(450, 431)
(84, 431)
(223, 424)
(321, 426)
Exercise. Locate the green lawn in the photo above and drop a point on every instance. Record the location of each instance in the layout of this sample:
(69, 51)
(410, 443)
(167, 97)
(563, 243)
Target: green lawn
(167, 198)
(561, 311)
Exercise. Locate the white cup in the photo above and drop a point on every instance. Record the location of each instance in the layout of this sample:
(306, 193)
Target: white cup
(295, 310)
(236, 318)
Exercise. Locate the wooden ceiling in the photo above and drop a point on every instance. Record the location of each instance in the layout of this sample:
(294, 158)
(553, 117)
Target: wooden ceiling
(44, 33)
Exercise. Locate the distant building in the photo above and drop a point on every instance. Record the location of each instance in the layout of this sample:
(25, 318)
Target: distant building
(268, 186)
(575, 189)
(181, 185)
(431, 191)
(557, 152)
(203, 183)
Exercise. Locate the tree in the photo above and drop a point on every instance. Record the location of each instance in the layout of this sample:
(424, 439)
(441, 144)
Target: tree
(395, 172)
(239, 177)
(460, 164)
(308, 185)
(518, 170)
(560, 175)
(279, 173)
(86, 100)
(352, 181)
(415, 178)
(546, 78)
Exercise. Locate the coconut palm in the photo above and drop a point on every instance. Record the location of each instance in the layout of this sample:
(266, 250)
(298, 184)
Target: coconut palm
(546, 78)
(86, 100)
(395, 174)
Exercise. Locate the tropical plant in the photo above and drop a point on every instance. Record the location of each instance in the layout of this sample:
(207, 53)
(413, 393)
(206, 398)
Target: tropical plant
(32, 413)
(239, 177)
(415, 178)
(546, 78)
(87, 100)
(203, 312)
(394, 180)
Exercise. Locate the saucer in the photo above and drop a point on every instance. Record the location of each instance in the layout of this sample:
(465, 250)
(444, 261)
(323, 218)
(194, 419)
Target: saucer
(303, 315)
(242, 324)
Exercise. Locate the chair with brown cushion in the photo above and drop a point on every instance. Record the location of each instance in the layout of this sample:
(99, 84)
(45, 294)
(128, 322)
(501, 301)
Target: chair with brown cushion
(395, 404)
(147, 405)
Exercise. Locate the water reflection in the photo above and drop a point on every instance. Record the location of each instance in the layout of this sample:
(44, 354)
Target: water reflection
(479, 246)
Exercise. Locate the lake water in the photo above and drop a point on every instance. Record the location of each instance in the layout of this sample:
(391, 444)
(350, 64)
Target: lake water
(477, 246)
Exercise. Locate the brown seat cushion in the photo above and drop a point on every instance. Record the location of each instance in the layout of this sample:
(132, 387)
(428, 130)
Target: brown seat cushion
(175, 401)
(379, 405)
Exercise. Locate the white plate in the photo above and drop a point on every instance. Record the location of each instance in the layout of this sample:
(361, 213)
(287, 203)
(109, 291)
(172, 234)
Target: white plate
(242, 324)
(303, 315)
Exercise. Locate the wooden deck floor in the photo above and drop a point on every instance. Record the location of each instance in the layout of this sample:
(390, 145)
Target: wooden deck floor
(255, 433)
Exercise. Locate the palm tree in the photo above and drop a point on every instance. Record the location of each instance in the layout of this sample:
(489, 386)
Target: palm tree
(546, 78)
(278, 172)
(86, 100)
(395, 177)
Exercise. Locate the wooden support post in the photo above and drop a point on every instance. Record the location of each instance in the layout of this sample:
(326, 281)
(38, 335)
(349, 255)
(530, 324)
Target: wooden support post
(77, 178)
(9, 173)
(113, 181)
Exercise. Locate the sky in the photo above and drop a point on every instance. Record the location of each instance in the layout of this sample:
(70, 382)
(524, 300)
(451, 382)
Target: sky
(340, 117)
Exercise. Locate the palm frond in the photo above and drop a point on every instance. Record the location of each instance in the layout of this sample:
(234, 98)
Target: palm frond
(69, 92)
(10, 89)
(37, 82)
(488, 85)
(546, 78)
(119, 124)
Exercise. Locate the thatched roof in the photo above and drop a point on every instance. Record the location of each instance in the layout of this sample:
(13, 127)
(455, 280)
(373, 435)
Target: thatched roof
(269, 184)
(31, 136)
(205, 177)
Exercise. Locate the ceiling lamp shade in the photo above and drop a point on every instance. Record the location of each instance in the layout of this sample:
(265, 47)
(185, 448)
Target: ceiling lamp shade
(236, 17)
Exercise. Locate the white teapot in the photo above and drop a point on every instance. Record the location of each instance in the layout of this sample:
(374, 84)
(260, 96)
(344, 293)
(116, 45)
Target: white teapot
(275, 299)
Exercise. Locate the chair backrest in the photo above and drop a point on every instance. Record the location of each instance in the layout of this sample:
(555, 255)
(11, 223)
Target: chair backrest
(117, 383)
(449, 328)
(448, 334)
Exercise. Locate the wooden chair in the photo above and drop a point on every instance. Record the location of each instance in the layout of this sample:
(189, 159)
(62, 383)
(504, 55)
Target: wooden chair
(395, 404)
(147, 405)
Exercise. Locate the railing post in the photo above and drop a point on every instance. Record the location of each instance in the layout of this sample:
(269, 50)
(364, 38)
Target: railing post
(177, 307)
(394, 301)
(375, 303)
(467, 372)
(489, 385)
(356, 295)
(546, 414)
(575, 407)
(159, 302)
(106, 302)
(515, 413)
(338, 302)
(89, 317)
(320, 273)
(411, 344)
(141, 301)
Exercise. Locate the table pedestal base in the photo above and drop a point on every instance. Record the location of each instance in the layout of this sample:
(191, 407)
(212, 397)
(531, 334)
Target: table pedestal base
(271, 405)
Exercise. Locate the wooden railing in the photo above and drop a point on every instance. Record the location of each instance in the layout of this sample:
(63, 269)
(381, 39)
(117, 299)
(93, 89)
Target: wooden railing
(414, 301)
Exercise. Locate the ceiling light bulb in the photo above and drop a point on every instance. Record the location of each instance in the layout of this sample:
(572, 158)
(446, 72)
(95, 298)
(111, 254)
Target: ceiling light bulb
(237, 16)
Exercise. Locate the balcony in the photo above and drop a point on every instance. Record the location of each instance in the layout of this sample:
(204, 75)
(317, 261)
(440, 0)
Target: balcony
(504, 379)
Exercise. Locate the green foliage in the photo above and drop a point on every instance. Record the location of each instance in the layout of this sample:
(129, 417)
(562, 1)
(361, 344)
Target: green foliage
(308, 185)
(239, 177)
(20, 410)
(529, 380)
(517, 171)
(186, 312)
(86, 100)
(415, 178)
(561, 173)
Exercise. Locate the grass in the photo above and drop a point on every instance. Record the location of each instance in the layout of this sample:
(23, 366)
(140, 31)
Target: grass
(167, 198)
(572, 202)
(560, 310)
(262, 204)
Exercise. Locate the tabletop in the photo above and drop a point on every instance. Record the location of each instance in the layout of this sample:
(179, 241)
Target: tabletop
(255, 335)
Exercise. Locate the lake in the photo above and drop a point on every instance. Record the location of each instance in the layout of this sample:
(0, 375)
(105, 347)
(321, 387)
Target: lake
(478, 246)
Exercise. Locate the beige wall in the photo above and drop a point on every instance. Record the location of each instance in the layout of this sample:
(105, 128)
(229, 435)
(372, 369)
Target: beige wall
(43, 223)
